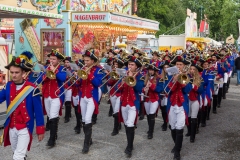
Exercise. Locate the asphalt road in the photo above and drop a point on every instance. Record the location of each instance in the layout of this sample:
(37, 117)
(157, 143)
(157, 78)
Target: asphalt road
(219, 140)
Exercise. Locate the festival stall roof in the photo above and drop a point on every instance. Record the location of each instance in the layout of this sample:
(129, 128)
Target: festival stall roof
(7, 11)
(115, 21)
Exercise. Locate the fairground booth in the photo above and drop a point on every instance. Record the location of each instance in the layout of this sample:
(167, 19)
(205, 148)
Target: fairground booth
(73, 26)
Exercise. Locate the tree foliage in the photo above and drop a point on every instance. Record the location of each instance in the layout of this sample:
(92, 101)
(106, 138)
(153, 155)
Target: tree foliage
(222, 15)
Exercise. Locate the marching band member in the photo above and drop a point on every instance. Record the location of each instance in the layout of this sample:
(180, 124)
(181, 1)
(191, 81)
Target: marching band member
(47, 128)
(68, 93)
(226, 69)
(231, 62)
(208, 86)
(178, 104)
(23, 106)
(142, 107)
(215, 57)
(164, 99)
(155, 58)
(110, 63)
(76, 94)
(115, 96)
(89, 96)
(131, 100)
(52, 103)
(195, 101)
(152, 89)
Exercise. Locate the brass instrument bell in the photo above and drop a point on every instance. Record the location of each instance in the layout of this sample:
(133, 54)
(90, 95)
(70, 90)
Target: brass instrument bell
(183, 78)
(114, 75)
(50, 74)
(82, 74)
(131, 81)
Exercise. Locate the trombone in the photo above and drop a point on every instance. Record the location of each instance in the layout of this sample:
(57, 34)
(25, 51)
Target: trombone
(49, 74)
(130, 81)
(113, 75)
(182, 79)
(81, 73)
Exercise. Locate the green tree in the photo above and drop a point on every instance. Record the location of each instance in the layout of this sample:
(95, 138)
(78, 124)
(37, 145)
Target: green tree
(169, 13)
(222, 15)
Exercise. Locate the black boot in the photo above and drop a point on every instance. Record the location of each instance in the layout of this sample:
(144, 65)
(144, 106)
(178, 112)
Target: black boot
(194, 123)
(224, 90)
(228, 83)
(188, 127)
(151, 125)
(199, 116)
(47, 124)
(215, 101)
(204, 116)
(130, 138)
(78, 120)
(67, 111)
(148, 120)
(219, 97)
(53, 132)
(94, 118)
(178, 144)
(141, 111)
(116, 125)
(209, 107)
(87, 128)
(164, 116)
(173, 133)
(110, 112)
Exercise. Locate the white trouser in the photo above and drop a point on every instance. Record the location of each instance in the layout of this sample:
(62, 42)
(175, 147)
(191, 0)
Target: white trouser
(87, 108)
(193, 109)
(216, 88)
(221, 85)
(201, 102)
(115, 101)
(129, 115)
(164, 101)
(99, 94)
(19, 140)
(230, 74)
(142, 97)
(75, 100)
(108, 88)
(68, 95)
(176, 117)
(150, 107)
(52, 106)
(205, 101)
(225, 79)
